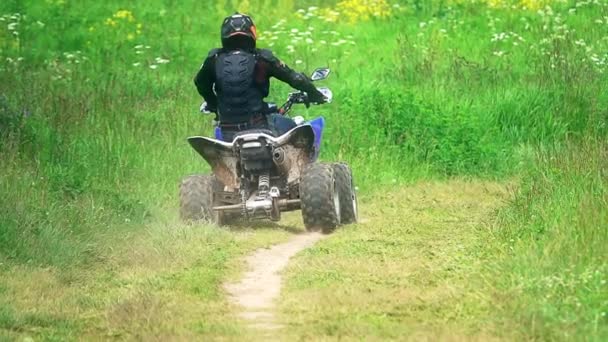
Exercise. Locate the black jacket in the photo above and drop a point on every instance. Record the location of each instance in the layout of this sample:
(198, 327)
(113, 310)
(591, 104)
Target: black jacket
(267, 65)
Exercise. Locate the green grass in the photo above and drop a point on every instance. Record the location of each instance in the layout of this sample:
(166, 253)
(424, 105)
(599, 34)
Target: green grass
(552, 271)
(163, 282)
(92, 141)
(410, 269)
(466, 261)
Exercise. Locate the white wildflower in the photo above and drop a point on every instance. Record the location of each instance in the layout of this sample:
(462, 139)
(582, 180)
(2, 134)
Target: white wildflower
(298, 62)
(153, 66)
(136, 64)
(594, 58)
(496, 37)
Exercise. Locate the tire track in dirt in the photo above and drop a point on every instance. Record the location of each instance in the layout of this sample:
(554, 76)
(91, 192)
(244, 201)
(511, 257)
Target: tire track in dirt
(259, 287)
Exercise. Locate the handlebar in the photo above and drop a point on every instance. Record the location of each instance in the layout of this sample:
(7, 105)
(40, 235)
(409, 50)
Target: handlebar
(302, 98)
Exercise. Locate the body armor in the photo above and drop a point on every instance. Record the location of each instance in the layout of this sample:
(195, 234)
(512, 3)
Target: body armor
(238, 94)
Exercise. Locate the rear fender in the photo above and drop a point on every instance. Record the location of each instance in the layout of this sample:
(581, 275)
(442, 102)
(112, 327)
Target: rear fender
(298, 145)
(220, 156)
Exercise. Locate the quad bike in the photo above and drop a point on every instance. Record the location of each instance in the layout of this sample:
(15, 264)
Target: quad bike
(259, 175)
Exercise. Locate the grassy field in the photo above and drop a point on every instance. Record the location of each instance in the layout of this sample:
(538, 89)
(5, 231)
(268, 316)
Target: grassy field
(410, 269)
(162, 284)
(96, 99)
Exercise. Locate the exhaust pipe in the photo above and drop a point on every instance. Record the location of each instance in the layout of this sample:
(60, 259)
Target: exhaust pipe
(280, 160)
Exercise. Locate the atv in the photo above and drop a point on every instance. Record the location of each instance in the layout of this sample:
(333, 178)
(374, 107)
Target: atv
(259, 175)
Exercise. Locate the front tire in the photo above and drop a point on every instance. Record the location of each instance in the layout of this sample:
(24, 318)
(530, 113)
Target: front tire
(319, 198)
(196, 199)
(348, 196)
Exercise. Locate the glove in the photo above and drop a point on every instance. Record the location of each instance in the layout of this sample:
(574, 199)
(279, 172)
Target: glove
(316, 98)
(206, 109)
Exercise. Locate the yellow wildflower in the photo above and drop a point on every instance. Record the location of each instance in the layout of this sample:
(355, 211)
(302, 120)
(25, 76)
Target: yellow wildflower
(360, 10)
(329, 14)
(533, 4)
(110, 22)
(124, 14)
(525, 4)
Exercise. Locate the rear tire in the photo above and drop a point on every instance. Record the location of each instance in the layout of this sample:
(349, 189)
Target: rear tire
(319, 198)
(348, 196)
(196, 199)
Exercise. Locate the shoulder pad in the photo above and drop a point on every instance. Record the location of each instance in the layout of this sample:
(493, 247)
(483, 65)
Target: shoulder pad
(213, 52)
(267, 55)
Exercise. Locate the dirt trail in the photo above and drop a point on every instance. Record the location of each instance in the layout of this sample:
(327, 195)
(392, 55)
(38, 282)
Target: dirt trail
(256, 292)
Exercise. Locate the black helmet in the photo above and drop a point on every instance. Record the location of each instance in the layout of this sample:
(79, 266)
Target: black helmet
(238, 31)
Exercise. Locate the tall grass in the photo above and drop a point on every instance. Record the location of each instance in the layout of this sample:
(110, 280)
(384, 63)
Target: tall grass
(553, 273)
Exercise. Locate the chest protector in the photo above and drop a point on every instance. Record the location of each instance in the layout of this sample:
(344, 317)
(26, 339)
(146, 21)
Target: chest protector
(238, 94)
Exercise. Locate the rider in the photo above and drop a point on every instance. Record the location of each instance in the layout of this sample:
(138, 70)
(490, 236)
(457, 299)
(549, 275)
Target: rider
(235, 79)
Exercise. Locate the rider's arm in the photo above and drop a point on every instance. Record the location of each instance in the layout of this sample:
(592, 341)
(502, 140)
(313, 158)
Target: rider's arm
(297, 80)
(204, 80)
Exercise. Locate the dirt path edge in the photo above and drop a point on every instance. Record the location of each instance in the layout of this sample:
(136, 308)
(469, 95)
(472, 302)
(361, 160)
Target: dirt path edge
(256, 292)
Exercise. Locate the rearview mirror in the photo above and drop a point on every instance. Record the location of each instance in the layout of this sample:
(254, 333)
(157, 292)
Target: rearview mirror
(329, 96)
(320, 74)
